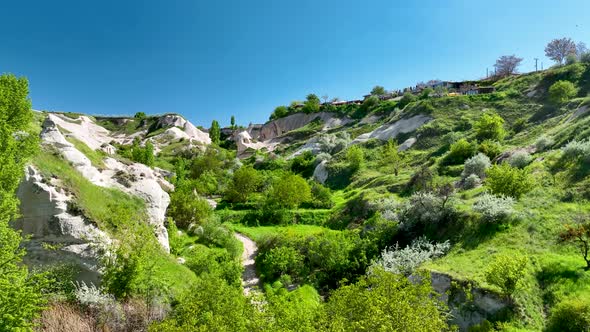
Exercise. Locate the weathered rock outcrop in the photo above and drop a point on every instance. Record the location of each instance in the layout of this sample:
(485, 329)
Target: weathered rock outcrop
(391, 130)
(469, 305)
(280, 126)
(57, 235)
(188, 130)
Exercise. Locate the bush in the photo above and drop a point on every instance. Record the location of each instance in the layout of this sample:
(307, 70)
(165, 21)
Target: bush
(355, 157)
(585, 58)
(508, 181)
(543, 143)
(289, 191)
(460, 151)
(476, 165)
(187, 208)
(490, 148)
(562, 91)
(490, 126)
(472, 181)
(570, 316)
(506, 272)
(424, 208)
(520, 159)
(494, 209)
(406, 261)
(334, 143)
(576, 151)
(321, 196)
(407, 99)
(281, 261)
(245, 181)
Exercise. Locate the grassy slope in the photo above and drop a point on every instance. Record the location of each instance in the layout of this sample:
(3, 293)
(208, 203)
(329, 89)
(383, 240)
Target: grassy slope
(104, 206)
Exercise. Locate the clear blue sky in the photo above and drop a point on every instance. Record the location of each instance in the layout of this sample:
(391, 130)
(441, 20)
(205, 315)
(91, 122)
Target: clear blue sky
(211, 59)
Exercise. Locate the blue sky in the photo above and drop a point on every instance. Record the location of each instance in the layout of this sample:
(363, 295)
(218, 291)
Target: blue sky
(213, 59)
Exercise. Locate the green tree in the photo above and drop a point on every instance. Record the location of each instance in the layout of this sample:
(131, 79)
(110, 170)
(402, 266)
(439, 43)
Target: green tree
(460, 151)
(279, 112)
(139, 115)
(561, 91)
(233, 122)
(506, 272)
(311, 104)
(509, 181)
(187, 208)
(384, 301)
(578, 233)
(20, 298)
(392, 156)
(490, 126)
(378, 91)
(289, 191)
(355, 157)
(149, 158)
(245, 181)
(215, 132)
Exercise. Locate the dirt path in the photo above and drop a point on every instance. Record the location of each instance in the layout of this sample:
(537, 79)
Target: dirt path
(249, 278)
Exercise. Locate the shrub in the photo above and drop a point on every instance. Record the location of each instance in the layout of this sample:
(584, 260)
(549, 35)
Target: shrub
(472, 181)
(585, 58)
(490, 148)
(520, 159)
(508, 181)
(476, 165)
(576, 151)
(355, 157)
(570, 316)
(334, 143)
(460, 151)
(187, 208)
(289, 191)
(490, 126)
(506, 272)
(519, 125)
(424, 208)
(421, 180)
(405, 261)
(245, 181)
(562, 91)
(494, 208)
(543, 143)
(321, 196)
(407, 99)
(281, 261)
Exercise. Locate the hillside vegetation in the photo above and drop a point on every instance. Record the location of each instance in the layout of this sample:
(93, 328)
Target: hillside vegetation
(427, 212)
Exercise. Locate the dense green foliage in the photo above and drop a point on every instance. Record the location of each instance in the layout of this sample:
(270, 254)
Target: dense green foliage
(20, 292)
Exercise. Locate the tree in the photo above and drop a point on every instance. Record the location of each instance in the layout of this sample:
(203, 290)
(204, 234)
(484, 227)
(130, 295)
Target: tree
(581, 49)
(506, 272)
(325, 98)
(385, 301)
(233, 122)
(290, 191)
(311, 104)
(215, 132)
(245, 181)
(562, 91)
(187, 208)
(559, 49)
(507, 65)
(392, 157)
(355, 157)
(279, 112)
(490, 126)
(579, 233)
(378, 91)
(509, 181)
(139, 115)
(21, 300)
(149, 154)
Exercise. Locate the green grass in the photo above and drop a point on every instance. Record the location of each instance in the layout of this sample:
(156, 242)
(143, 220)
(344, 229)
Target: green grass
(96, 157)
(112, 210)
(257, 233)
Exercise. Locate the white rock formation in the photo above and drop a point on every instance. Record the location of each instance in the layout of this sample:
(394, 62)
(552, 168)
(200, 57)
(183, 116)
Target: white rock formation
(56, 234)
(245, 142)
(391, 130)
(320, 173)
(280, 126)
(149, 186)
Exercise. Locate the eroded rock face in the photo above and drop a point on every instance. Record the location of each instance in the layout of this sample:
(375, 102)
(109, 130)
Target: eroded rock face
(320, 173)
(391, 130)
(469, 305)
(280, 126)
(56, 234)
